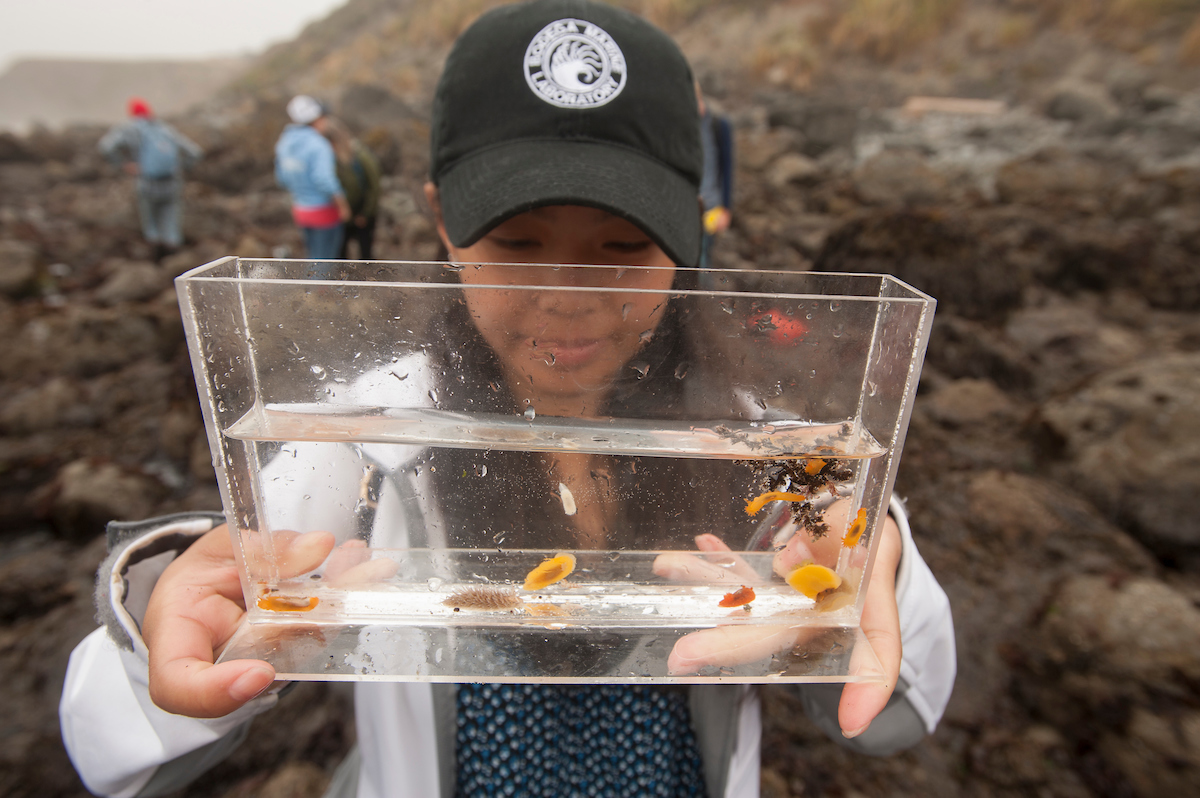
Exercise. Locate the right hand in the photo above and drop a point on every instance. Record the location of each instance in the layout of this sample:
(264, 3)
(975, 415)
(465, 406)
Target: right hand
(195, 608)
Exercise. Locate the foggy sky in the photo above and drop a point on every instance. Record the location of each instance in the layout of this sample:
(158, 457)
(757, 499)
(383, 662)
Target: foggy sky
(144, 29)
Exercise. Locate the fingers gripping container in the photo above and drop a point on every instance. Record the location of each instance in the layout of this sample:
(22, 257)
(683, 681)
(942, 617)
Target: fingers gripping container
(553, 473)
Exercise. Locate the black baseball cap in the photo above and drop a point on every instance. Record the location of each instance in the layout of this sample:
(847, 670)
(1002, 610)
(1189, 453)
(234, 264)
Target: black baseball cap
(568, 102)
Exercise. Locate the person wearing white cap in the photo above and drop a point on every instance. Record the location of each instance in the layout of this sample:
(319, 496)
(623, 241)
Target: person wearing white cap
(306, 166)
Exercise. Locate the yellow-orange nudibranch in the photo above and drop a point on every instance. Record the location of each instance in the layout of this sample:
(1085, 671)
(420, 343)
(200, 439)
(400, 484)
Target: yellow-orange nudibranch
(856, 529)
(812, 580)
(759, 502)
(814, 466)
(287, 603)
(549, 571)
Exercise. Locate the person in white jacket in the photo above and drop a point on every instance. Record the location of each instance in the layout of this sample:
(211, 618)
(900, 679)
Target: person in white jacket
(564, 131)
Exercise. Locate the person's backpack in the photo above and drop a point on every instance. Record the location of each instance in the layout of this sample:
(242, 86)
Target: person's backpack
(158, 154)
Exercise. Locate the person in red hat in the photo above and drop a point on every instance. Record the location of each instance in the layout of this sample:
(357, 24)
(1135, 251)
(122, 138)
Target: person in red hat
(157, 155)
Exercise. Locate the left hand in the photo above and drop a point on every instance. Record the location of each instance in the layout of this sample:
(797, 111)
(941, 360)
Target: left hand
(880, 624)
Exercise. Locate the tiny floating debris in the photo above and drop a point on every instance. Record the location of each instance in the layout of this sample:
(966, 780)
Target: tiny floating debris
(551, 570)
(288, 603)
(491, 599)
(856, 529)
(739, 597)
(812, 580)
(761, 501)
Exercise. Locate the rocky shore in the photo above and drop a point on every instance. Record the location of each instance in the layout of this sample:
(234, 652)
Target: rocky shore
(1051, 467)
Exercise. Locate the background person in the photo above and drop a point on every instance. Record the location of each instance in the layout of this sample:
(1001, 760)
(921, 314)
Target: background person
(358, 172)
(306, 166)
(157, 154)
(716, 184)
(625, 194)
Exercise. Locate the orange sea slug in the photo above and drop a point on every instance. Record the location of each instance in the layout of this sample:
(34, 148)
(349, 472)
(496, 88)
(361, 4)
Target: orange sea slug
(287, 603)
(856, 529)
(549, 571)
(759, 502)
(812, 580)
(743, 595)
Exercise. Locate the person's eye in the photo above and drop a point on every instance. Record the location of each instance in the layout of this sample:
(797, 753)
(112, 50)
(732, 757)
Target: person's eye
(628, 247)
(514, 242)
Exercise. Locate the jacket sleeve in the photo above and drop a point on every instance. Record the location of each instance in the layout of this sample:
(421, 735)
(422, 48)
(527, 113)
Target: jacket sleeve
(190, 149)
(371, 190)
(118, 740)
(927, 669)
(118, 145)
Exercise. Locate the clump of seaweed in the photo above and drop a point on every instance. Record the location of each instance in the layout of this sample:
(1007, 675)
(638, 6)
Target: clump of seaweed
(798, 480)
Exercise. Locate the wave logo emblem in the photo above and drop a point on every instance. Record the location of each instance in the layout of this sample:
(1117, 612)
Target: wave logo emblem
(572, 63)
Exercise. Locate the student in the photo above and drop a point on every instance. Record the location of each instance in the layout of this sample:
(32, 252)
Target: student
(306, 166)
(358, 172)
(598, 162)
(157, 154)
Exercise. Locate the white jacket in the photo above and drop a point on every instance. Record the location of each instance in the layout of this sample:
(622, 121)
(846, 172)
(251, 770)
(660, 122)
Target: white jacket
(123, 745)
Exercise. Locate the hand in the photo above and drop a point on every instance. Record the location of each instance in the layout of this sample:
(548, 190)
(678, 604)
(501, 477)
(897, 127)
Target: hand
(880, 624)
(343, 206)
(131, 168)
(195, 608)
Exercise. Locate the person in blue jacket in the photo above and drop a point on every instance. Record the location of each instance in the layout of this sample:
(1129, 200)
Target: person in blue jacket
(305, 164)
(157, 154)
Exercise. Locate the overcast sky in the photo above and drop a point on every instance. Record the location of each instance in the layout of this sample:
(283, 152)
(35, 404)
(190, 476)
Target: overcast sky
(141, 29)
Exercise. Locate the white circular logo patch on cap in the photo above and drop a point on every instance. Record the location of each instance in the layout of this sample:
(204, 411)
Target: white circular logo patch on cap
(572, 63)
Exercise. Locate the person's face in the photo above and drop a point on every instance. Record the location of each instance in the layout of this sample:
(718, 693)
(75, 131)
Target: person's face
(560, 350)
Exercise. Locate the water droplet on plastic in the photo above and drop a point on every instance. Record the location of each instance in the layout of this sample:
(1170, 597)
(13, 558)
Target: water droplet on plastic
(435, 583)
(645, 336)
(620, 273)
(625, 311)
(835, 305)
(812, 374)
(530, 414)
(768, 428)
(641, 368)
(433, 395)
(319, 371)
(481, 470)
(681, 371)
(872, 388)
(728, 308)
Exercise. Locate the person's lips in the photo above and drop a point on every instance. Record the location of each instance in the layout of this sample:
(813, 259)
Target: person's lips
(566, 352)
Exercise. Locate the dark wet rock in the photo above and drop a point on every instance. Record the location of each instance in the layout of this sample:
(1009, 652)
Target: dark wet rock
(18, 267)
(80, 341)
(34, 576)
(964, 348)
(132, 282)
(789, 168)
(823, 125)
(45, 407)
(929, 250)
(1131, 442)
(90, 493)
(1058, 179)
(967, 402)
(1068, 342)
(1080, 101)
(367, 105)
(899, 177)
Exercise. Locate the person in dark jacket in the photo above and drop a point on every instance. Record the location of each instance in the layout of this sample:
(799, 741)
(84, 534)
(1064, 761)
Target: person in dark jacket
(358, 172)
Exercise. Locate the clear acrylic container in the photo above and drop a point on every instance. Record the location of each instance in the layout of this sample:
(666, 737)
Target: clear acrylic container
(412, 497)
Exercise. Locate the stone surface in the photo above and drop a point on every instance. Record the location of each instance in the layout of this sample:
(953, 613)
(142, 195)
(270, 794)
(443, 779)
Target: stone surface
(1132, 439)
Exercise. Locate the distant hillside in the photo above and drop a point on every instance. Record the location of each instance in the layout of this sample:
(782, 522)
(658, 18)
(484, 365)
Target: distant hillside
(54, 92)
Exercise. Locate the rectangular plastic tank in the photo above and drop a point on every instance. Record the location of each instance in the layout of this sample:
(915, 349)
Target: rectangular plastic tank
(432, 473)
